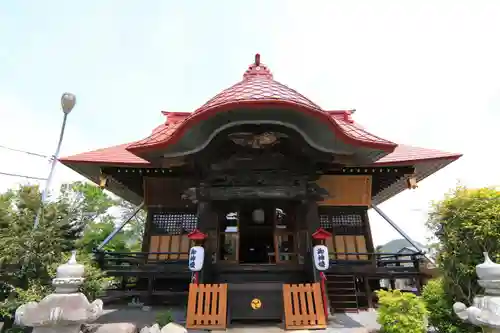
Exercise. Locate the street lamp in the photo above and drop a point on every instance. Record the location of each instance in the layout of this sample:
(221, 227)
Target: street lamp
(68, 101)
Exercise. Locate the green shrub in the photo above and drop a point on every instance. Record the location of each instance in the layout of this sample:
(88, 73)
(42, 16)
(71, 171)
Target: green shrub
(440, 308)
(466, 224)
(401, 312)
(165, 317)
(34, 293)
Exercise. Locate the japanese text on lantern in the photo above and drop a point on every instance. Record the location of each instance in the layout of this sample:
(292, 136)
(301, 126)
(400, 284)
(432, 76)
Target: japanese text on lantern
(320, 253)
(196, 257)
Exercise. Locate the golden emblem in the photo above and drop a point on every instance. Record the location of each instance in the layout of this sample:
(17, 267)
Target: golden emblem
(255, 304)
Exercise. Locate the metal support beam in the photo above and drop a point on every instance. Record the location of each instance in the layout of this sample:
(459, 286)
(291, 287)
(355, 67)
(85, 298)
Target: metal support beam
(401, 232)
(120, 227)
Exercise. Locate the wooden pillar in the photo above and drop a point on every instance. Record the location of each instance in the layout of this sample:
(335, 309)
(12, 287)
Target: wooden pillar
(418, 278)
(418, 285)
(149, 297)
(312, 221)
(369, 239)
(205, 224)
(368, 292)
(147, 231)
(301, 214)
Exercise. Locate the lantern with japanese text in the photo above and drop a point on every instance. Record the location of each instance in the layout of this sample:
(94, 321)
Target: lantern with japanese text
(196, 257)
(320, 254)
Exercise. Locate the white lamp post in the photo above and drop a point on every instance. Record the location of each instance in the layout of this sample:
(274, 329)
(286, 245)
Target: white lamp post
(68, 101)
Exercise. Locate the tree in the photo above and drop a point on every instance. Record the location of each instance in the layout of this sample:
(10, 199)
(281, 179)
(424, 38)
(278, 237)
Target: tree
(97, 231)
(32, 249)
(77, 216)
(466, 223)
(81, 203)
(134, 230)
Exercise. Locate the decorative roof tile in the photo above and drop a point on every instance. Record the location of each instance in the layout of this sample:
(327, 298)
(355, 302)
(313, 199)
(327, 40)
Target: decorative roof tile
(258, 85)
(354, 130)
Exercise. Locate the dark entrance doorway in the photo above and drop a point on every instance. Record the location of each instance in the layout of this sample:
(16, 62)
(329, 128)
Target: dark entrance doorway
(263, 232)
(257, 235)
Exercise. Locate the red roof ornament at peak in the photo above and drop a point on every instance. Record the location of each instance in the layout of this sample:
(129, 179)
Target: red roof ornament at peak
(257, 70)
(196, 235)
(321, 234)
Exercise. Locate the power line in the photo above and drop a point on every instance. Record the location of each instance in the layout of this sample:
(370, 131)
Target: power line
(24, 152)
(21, 176)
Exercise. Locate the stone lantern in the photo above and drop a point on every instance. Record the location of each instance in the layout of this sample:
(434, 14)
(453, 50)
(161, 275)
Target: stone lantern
(66, 309)
(485, 310)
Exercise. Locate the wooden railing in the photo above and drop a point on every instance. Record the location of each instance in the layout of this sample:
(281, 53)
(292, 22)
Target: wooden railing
(303, 305)
(139, 262)
(385, 260)
(207, 306)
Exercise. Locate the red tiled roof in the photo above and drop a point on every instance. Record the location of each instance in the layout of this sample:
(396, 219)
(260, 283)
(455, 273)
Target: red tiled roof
(426, 161)
(115, 155)
(355, 131)
(404, 153)
(259, 89)
(119, 155)
(258, 85)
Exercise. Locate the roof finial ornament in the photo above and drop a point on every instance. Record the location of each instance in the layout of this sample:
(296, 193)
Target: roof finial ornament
(257, 59)
(257, 70)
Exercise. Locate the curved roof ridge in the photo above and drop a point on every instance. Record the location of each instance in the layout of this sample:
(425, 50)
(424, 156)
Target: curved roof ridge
(258, 88)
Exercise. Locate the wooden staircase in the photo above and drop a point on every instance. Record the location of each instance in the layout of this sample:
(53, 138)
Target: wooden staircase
(342, 293)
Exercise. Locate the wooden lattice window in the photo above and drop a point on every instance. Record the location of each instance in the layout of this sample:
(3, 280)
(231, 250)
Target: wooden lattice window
(178, 223)
(341, 222)
(325, 222)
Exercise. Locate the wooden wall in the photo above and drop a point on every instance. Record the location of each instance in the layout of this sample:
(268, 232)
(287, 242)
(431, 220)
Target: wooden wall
(166, 192)
(167, 231)
(346, 190)
(350, 231)
(347, 243)
(170, 218)
(169, 243)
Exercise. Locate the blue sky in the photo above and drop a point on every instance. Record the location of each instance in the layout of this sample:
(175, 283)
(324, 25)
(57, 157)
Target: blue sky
(418, 72)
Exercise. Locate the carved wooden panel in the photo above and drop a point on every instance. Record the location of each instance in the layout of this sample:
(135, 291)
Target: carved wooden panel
(346, 190)
(166, 192)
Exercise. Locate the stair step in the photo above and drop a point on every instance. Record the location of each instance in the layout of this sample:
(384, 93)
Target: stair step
(340, 281)
(346, 310)
(344, 307)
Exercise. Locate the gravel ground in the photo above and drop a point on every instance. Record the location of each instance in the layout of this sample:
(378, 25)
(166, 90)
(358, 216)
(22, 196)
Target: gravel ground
(340, 323)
